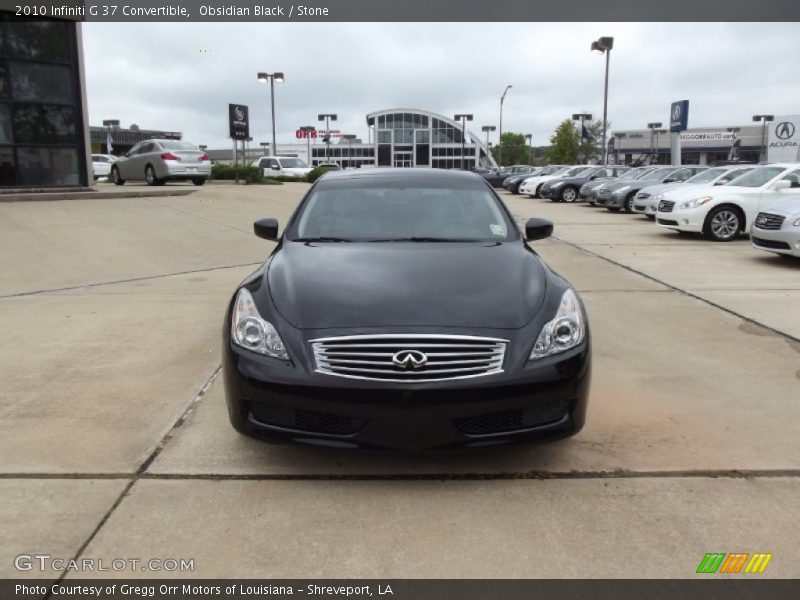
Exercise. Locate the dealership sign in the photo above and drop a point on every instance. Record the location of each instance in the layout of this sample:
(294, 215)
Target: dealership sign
(679, 116)
(783, 144)
(313, 134)
(238, 122)
(707, 136)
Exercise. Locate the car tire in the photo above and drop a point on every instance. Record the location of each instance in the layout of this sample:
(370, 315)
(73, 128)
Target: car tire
(515, 189)
(613, 208)
(568, 194)
(116, 178)
(199, 180)
(651, 217)
(150, 175)
(628, 204)
(537, 190)
(723, 224)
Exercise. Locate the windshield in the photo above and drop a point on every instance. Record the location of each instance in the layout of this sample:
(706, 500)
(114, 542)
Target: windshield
(352, 210)
(292, 163)
(757, 177)
(657, 174)
(706, 176)
(177, 145)
(575, 171)
(630, 175)
(586, 172)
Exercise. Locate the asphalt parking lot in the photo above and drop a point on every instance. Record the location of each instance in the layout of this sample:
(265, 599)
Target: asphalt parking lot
(116, 441)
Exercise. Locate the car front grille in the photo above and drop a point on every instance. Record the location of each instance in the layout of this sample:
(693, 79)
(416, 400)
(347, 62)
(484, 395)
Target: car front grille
(409, 358)
(769, 221)
(665, 206)
(513, 420)
(305, 420)
(776, 245)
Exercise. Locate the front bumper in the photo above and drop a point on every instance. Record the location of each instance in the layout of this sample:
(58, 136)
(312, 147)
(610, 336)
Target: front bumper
(688, 219)
(273, 400)
(780, 241)
(645, 206)
(616, 199)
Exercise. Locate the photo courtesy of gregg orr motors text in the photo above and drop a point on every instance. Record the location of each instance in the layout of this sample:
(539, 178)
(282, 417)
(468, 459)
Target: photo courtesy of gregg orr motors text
(48, 563)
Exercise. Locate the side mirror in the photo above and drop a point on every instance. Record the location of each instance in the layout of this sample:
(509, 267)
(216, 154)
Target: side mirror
(266, 228)
(669, 180)
(276, 167)
(781, 184)
(538, 229)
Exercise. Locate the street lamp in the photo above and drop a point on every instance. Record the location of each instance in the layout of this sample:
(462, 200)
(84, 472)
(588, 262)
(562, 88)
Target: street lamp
(463, 118)
(652, 127)
(500, 137)
(307, 129)
(327, 118)
(272, 78)
(349, 137)
(764, 120)
(486, 129)
(529, 139)
(604, 45)
(583, 117)
(109, 123)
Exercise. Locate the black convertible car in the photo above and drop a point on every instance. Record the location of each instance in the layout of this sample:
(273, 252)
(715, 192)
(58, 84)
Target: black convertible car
(402, 309)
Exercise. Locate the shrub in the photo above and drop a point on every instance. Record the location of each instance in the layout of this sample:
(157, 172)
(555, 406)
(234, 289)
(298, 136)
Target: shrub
(285, 178)
(315, 174)
(243, 172)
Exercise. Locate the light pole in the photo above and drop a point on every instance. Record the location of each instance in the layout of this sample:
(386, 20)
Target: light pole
(463, 118)
(327, 138)
(307, 129)
(583, 117)
(272, 78)
(653, 145)
(109, 123)
(500, 136)
(764, 120)
(349, 137)
(529, 139)
(486, 129)
(604, 45)
(246, 147)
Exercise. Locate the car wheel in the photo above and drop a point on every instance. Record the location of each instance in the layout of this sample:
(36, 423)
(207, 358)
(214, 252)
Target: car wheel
(150, 175)
(538, 189)
(569, 194)
(613, 208)
(199, 181)
(629, 202)
(722, 224)
(116, 178)
(651, 217)
(516, 188)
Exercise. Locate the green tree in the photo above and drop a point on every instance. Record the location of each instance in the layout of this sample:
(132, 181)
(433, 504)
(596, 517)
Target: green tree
(564, 144)
(515, 150)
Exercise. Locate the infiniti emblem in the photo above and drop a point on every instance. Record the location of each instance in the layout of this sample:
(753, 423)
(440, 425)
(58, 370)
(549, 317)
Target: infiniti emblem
(409, 358)
(784, 130)
(761, 220)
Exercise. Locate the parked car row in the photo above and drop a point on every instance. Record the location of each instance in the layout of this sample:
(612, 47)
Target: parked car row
(720, 202)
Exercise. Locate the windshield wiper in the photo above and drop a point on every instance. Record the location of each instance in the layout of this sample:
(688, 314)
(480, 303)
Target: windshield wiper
(426, 239)
(321, 239)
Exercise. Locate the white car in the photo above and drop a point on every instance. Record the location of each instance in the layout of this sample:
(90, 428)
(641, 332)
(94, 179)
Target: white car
(777, 228)
(532, 184)
(646, 201)
(282, 165)
(723, 212)
(101, 164)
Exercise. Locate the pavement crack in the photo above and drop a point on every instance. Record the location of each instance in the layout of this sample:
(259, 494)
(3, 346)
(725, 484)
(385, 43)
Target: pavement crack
(141, 470)
(130, 280)
(682, 291)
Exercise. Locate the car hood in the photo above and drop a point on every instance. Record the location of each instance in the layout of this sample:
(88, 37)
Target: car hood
(696, 190)
(344, 285)
(541, 178)
(787, 206)
(659, 188)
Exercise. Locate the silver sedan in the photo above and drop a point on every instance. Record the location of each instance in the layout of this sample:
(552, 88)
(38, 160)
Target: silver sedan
(159, 161)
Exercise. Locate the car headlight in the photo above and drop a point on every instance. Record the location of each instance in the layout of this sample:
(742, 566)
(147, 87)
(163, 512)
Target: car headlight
(250, 331)
(796, 223)
(565, 331)
(696, 202)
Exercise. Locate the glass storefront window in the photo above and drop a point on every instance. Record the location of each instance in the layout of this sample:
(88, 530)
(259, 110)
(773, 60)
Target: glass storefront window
(5, 125)
(39, 40)
(48, 166)
(8, 171)
(4, 87)
(44, 124)
(41, 83)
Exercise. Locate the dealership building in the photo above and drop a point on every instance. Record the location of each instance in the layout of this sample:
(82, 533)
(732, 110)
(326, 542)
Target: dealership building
(704, 145)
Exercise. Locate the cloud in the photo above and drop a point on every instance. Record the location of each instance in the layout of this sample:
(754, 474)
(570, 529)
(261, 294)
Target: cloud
(181, 77)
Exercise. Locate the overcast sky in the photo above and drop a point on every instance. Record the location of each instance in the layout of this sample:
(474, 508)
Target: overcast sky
(181, 77)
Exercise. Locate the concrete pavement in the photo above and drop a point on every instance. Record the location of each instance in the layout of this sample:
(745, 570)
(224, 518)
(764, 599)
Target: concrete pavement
(112, 409)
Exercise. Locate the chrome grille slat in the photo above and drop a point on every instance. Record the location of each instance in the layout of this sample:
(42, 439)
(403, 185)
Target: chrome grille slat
(371, 357)
(769, 221)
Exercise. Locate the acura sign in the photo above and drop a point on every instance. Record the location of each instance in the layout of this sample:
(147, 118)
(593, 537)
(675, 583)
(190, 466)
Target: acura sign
(783, 144)
(679, 116)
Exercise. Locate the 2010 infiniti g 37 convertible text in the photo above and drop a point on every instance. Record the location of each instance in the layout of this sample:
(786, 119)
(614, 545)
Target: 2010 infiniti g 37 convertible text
(402, 309)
